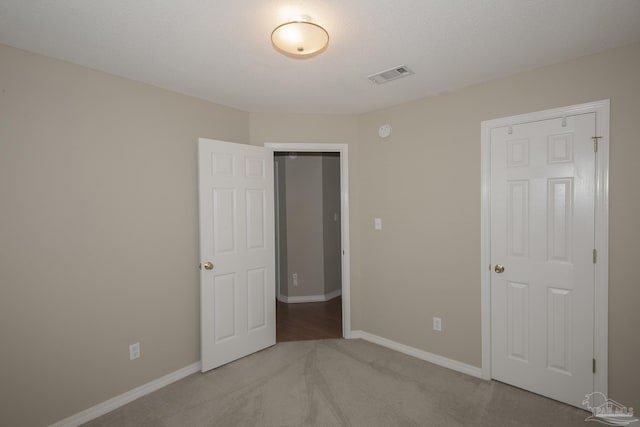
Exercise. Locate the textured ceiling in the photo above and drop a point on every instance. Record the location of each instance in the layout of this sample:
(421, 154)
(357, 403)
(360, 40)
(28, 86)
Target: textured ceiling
(221, 51)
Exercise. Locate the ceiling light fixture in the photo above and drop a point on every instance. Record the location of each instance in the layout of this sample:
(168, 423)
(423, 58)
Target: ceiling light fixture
(300, 38)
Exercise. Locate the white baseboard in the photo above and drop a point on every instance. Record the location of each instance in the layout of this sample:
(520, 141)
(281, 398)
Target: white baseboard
(420, 354)
(310, 298)
(131, 395)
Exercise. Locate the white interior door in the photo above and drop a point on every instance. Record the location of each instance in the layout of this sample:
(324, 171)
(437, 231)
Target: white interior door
(542, 232)
(237, 238)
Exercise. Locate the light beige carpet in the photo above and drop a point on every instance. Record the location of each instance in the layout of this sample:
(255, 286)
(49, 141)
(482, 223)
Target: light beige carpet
(338, 383)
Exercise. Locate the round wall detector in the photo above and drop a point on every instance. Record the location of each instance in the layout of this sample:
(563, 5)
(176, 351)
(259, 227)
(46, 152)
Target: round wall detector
(384, 131)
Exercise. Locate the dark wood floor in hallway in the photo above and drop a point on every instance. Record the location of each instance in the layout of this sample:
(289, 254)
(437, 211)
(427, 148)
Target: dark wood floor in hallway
(309, 321)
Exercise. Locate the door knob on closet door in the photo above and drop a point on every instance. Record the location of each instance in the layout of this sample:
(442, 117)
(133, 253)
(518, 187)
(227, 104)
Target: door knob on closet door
(208, 265)
(499, 268)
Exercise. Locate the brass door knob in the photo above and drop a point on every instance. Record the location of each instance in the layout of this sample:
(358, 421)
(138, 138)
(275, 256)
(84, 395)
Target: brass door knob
(499, 268)
(208, 265)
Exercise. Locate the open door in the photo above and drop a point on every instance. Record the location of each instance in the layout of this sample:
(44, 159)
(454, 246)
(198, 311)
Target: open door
(237, 250)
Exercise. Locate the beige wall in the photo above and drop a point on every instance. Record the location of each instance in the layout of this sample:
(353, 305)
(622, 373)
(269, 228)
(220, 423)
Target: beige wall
(98, 233)
(98, 225)
(305, 247)
(282, 275)
(331, 222)
(312, 234)
(311, 237)
(424, 182)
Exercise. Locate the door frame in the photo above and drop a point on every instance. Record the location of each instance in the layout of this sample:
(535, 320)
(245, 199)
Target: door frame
(601, 292)
(342, 149)
(276, 202)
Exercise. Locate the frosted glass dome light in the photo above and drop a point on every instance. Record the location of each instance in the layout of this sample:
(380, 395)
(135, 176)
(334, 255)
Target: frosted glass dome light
(300, 38)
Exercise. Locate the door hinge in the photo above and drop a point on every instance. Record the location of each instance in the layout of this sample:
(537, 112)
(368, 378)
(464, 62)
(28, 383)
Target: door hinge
(595, 143)
(593, 366)
(595, 256)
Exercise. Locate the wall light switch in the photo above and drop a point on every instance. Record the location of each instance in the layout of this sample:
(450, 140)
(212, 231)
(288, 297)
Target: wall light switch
(437, 324)
(377, 223)
(134, 351)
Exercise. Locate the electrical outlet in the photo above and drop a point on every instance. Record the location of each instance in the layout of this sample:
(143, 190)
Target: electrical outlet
(377, 223)
(437, 324)
(134, 351)
(294, 277)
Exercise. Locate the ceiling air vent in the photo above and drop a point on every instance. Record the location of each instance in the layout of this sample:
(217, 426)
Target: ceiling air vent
(390, 74)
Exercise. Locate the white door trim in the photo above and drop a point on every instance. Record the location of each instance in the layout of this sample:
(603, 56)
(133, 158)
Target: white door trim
(276, 202)
(344, 212)
(601, 108)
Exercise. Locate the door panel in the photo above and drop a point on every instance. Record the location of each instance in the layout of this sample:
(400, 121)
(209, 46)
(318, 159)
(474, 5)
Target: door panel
(256, 298)
(224, 206)
(255, 219)
(542, 231)
(518, 321)
(224, 288)
(559, 332)
(237, 237)
(518, 218)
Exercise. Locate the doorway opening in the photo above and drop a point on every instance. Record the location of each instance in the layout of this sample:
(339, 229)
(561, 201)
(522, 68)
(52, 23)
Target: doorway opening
(312, 241)
(308, 260)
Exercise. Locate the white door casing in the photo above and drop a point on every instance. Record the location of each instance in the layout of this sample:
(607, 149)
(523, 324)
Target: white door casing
(544, 193)
(342, 149)
(236, 215)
